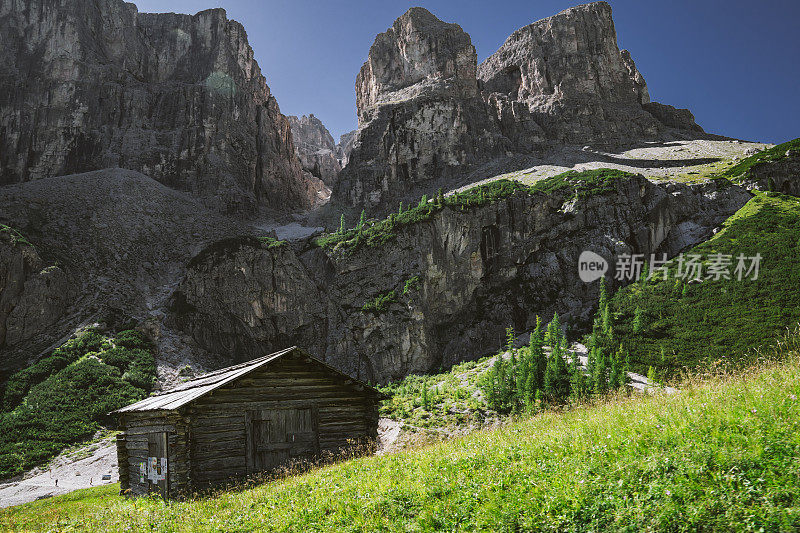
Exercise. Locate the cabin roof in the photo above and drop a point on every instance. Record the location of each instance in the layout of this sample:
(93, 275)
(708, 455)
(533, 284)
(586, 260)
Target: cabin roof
(200, 386)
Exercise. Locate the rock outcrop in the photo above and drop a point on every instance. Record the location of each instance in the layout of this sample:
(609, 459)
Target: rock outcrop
(421, 116)
(108, 246)
(316, 148)
(345, 146)
(459, 279)
(779, 175)
(429, 114)
(241, 297)
(87, 85)
(33, 294)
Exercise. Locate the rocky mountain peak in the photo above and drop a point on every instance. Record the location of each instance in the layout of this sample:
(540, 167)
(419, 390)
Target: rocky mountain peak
(571, 55)
(91, 85)
(418, 49)
(428, 115)
(314, 145)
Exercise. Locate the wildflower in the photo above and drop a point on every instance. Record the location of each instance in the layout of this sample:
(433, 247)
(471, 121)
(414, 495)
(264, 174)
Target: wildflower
(792, 397)
(668, 492)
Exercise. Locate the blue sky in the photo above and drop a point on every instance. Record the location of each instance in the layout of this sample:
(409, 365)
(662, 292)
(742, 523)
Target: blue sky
(735, 64)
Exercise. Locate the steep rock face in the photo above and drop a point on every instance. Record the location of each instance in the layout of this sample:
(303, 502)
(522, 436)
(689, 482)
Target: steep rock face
(420, 112)
(243, 299)
(345, 146)
(87, 85)
(33, 295)
(316, 148)
(418, 49)
(429, 114)
(571, 77)
(476, 273)
(682, 119)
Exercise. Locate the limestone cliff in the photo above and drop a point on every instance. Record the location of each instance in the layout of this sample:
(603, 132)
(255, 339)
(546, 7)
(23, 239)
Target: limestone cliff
(86, 85)
(33, 294)
(459, 279)
(428, 114)
(316, 148)
(420, 112)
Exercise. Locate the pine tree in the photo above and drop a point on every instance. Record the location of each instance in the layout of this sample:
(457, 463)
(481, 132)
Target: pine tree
(606, 320)
(556, 377)
(538, 357)
(511, 340)
(591, 360)
(651, 376)
(400, 209)
(617, 380)
(553, 331)
(577, 378)
(362, 220)
(440, 197)
(603, 301)
(625, 369)
(600, 377)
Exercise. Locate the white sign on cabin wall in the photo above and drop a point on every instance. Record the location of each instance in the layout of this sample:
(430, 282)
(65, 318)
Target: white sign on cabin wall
(156, 469)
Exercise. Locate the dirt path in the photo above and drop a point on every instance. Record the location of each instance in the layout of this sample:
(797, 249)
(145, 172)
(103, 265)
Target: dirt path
(74, 470)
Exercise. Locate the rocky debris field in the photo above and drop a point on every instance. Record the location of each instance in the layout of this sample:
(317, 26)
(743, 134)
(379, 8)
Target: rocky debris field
(85, 466)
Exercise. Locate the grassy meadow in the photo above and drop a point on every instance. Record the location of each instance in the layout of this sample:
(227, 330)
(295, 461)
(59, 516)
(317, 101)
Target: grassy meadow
(721, 455)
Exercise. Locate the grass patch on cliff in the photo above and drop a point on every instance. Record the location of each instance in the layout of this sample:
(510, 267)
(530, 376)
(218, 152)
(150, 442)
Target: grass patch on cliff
(380, 303)
(585, 183)
(374, 233)
(231, 245)
(672, 324)
(722, 455)
(14, 236)
(271, 243)
(64, 397)
(776, 153)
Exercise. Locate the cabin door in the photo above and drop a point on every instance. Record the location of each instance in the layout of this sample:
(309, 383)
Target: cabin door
(276, 437)
(156, 468)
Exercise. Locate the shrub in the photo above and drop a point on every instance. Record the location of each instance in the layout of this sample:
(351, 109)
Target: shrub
(380, 303)
(66, 396)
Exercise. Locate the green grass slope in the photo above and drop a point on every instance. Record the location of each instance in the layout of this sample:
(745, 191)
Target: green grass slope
(722, 455)
(683, 324)
(776, 153)
(64, 397)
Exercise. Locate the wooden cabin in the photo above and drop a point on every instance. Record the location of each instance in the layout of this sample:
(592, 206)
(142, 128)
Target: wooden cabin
(242, 420)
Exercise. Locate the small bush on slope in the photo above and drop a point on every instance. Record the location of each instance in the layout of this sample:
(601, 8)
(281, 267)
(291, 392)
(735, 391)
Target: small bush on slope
(65, 397)
(722, 455)
(682, 325)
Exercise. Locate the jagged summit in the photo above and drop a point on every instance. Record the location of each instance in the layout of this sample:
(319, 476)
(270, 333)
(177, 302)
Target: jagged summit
(429, 114)
(90, 85)
(417, 48)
